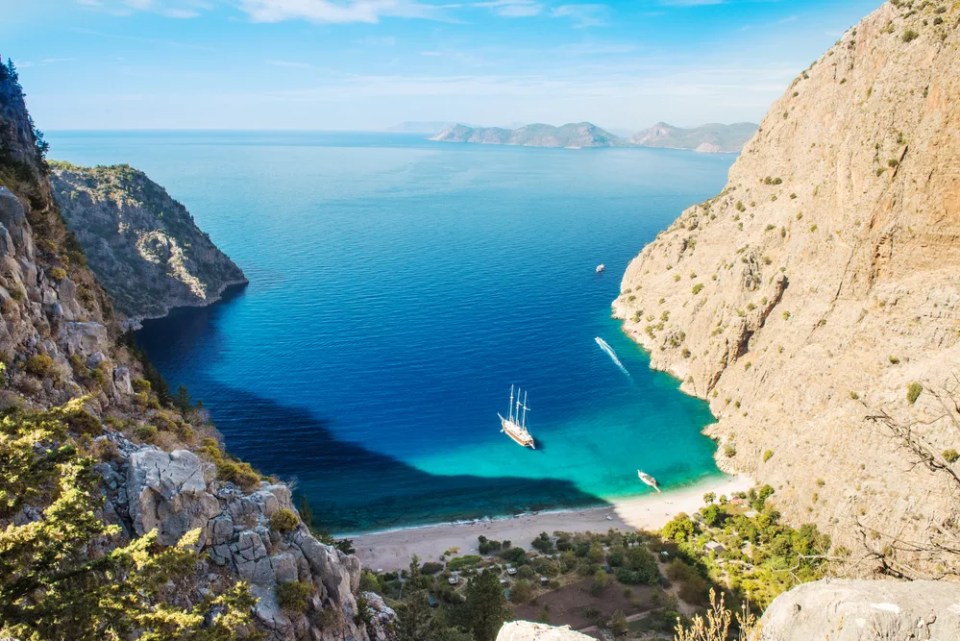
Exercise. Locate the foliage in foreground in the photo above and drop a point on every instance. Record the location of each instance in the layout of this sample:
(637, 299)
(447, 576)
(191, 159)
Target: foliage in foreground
(66, 574)
(717, 623)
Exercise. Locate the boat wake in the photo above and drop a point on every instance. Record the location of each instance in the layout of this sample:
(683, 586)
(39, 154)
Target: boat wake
(613, 356)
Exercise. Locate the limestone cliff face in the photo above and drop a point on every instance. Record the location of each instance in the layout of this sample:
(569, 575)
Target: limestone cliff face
(58, 341)
(55, 316)
(822, 282)
(142, 244)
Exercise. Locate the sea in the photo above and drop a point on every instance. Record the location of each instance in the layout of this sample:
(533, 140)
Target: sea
(398, 288)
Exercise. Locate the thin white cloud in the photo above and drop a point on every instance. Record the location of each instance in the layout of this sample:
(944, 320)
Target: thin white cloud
(369, 11)
(169, 8)
(513, 8)
(583, 15)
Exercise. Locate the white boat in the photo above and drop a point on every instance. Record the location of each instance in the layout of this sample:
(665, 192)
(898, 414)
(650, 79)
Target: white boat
(649, 480)
(601, 267)
(515, 425)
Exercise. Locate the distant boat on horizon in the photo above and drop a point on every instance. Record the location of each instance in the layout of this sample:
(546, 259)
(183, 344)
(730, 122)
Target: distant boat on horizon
(649, 480)
(515, 425)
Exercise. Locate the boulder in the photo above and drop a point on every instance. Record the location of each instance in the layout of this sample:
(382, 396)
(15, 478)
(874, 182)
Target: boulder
(852, 610)
(167, 492)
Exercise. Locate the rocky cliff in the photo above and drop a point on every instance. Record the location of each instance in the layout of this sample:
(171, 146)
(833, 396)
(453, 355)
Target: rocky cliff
(819, 288)
(160, 468)
(143, 245)
(582, 134)
(711, 138)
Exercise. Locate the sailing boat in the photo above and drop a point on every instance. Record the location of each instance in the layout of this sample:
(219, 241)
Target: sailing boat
(649, 480)
(515, 425)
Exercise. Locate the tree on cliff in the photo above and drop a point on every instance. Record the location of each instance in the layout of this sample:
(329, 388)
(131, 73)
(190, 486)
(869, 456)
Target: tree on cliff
(66, 574)
(486, 606)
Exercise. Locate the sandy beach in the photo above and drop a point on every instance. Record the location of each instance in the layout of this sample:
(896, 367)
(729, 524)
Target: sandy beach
(392, 550)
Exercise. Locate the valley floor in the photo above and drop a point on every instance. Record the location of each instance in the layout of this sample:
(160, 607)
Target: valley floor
(392, 550)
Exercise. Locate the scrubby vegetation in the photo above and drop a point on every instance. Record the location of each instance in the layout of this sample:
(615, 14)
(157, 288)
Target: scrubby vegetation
(65, 574)
(743, 545)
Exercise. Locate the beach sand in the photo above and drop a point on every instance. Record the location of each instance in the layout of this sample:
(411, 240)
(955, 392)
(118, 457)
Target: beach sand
(392, 550)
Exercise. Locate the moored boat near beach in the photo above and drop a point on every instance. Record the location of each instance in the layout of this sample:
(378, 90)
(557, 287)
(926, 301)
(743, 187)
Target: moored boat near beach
(515, 425)
(649, 480)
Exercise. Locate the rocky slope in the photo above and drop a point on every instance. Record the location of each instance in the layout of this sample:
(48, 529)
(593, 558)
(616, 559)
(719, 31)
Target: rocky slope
(711, 138)
(582, 134)
(142, 244)
(159, 467)
(820, 288)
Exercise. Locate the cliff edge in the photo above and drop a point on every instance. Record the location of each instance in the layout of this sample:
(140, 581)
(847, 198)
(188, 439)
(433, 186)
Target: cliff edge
(143, 245)
(815, 301)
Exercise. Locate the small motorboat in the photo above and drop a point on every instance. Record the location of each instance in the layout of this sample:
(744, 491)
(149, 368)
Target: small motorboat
(601, 267)
(649, 480)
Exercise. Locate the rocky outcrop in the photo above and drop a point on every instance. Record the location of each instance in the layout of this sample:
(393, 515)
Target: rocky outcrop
(527, 631)
(820, 285)
(713, 138)
(575, 135)
(176, 492)
(143, 245)
(843, 610)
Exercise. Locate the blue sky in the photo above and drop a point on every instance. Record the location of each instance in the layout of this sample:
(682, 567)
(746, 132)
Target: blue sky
(368, 64)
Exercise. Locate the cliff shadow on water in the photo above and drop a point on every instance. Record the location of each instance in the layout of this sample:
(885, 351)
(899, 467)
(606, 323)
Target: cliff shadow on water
(349, 487)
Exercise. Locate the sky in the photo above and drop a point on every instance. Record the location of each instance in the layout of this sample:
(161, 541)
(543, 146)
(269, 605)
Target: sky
(370, 64)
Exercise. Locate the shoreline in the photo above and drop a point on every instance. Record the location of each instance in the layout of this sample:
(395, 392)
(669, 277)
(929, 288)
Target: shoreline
(390, 550)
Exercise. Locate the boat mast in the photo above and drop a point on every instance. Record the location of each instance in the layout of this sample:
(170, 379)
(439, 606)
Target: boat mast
(524, 424)
(510, 408)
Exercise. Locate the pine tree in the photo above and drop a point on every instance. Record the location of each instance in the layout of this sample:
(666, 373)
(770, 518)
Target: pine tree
(486, 606)
(66, 574)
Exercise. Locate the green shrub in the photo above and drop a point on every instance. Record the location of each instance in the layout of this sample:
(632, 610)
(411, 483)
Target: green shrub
(57, 273)
(697, 288)
(914, 390)
(146, 433)
(431, 567)
(461, 562)
(294, 596)
(893, 360)
(951, 455)
(284, 521)
(83, 422)
(237, 472)
(40, 365)
(141, 385)
(767, 455)
(909, 35)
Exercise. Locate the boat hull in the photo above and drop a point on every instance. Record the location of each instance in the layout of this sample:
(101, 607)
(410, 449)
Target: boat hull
(519, 435)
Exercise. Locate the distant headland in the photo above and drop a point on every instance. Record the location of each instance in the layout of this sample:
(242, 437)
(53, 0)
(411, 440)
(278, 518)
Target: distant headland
(710, 138)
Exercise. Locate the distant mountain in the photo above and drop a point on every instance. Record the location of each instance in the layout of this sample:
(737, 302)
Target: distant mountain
(575, 135)
(711, 138)
(420, 127)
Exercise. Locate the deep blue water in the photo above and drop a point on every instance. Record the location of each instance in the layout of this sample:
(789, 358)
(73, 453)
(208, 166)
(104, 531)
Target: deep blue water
(397, 288)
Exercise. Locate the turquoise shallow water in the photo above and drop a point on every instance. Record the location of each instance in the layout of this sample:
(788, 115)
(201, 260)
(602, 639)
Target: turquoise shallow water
(397, 288)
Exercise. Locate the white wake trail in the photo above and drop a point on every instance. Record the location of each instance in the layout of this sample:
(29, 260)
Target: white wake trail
(613, 355)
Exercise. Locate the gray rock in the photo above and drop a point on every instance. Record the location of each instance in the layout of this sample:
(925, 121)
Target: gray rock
(83, 338)
(220, 530)
(284, 567)
(850, 610)
(121, 380)
(168, 493)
